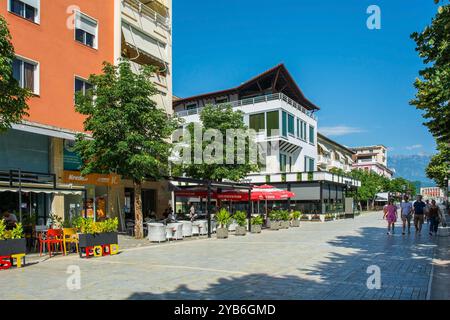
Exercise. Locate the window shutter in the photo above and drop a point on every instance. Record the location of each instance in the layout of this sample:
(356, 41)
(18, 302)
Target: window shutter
(86, 24)
(33, 3)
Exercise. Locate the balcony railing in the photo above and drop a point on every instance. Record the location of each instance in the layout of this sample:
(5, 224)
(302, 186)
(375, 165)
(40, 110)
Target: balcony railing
(149, 12)
(255, 100)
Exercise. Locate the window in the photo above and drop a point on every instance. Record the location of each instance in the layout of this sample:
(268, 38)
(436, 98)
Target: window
(82, 86)
(284, 124)
(309, 164)
(298, 128)
(26, 73)
(302, 128)
(291, 128)
(221, 100)
(311, 135)
(273, 122)
(28, 9)
(191, 106)
(257, 122)
(86, 30)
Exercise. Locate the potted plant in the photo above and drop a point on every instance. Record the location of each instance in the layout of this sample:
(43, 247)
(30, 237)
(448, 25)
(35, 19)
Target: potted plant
(223, 218)
(92, 234)
(295, 218)
(315, 217)
(56, 222)
(284, 219)
(256, 223)
(274, 220)
(12, 241)
(329, 217)
(241, 219)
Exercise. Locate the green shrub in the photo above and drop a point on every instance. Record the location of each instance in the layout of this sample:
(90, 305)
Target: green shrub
(88, 226)
(223, 218)
(241, 218)
(296, 215)
(16, 233)
(257, 221)
(274, 215)
(284, 215)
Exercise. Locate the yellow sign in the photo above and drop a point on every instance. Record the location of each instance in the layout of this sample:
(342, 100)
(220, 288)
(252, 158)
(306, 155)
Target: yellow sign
(75, 177)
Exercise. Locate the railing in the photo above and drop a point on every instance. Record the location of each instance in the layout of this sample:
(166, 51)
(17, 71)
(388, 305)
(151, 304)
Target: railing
(255, 100)
(324, 160)
(16, 177)
(149, 12)
(282, 177)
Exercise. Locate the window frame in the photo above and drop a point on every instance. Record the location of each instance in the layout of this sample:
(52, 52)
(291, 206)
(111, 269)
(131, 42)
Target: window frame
(259, 115)
(37, 11)
(36, 73)
(78, 16)
(313, 136)
(84, 80)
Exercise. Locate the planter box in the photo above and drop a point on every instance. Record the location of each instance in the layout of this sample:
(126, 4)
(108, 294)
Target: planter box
(92, 240)
(13, 246)
(240, 231)
(274, 225)
(295, 223)
(222, 233)
(284, 224)
(256, 228)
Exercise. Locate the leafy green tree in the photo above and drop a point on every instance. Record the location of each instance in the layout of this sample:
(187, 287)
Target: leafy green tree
(130, 133)
(13, 98)
(221, 118)
(439, 166)
(433, 86)
(338, 171)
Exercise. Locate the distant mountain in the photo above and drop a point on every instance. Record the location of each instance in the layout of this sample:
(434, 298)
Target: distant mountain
(411, 167)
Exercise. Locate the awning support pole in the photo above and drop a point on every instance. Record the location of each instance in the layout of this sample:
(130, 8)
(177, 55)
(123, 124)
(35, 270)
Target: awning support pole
(208, 208)
(249, 213)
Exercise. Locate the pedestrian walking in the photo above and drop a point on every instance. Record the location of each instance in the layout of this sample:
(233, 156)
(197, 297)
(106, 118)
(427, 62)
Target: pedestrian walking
(406, 214)
(391, 216)
(434, 216)
(427, 208)
(419, 209)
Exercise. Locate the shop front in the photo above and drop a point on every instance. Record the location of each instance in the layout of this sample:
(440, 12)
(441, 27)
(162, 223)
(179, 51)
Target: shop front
(99, 194)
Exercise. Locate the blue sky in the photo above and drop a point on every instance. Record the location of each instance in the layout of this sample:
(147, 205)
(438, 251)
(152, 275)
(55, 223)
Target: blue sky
(361, 79)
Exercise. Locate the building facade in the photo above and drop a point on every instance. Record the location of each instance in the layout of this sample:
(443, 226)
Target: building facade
(435, 193)
(332, 155)
(274, 106)
(372, 158)
(58, 45)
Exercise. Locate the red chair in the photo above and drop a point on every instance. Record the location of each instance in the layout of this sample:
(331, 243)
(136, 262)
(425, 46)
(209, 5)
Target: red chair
(52, 238)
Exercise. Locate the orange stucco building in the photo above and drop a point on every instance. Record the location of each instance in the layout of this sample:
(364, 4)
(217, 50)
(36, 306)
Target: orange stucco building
(51, 43)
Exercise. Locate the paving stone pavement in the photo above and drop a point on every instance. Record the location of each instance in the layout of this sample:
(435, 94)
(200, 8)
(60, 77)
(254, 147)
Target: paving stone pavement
(316, 261)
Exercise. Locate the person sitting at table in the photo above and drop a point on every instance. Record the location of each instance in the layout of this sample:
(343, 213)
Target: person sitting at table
(10, 219)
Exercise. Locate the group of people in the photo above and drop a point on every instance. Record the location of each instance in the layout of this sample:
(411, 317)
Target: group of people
(419, 211)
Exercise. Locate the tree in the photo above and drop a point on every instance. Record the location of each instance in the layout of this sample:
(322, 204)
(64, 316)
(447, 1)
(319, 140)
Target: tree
(439, 165)
(13, 98)
(221, 118)
(130, 133)
(433, 86)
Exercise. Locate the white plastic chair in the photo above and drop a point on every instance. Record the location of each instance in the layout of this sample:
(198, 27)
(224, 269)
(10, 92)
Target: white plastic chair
(156, 232)
(232, 226)
(178, 233)
(187, 228)
(203, 227)
(195, 228)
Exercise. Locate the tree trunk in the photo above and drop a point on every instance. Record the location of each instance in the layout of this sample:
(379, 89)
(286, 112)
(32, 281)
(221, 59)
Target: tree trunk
(367, 205)
(138, 227)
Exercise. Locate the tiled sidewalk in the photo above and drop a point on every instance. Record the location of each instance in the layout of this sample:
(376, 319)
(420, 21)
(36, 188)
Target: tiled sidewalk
(315, 261)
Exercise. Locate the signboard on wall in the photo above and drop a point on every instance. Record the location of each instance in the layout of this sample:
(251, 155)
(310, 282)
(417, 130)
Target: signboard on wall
(75, 177)
(72, 160)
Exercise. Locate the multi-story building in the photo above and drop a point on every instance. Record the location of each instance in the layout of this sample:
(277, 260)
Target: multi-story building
(372, 158)
(58, 44)
(435, 193)
(275, 107)
(332, 155)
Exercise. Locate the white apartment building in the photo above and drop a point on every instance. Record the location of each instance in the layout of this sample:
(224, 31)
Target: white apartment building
(372, 158)
(275, 107)
(332, 155)
(145, 32)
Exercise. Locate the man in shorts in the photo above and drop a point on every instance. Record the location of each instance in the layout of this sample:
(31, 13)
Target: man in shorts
(419, 208)
(406, 213)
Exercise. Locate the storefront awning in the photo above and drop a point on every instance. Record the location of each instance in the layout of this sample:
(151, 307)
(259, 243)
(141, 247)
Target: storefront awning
(47, 191)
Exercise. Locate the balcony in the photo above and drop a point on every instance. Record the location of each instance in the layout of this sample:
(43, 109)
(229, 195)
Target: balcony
(323, 160)
(301, 177)
(253, 101)
(144, 15)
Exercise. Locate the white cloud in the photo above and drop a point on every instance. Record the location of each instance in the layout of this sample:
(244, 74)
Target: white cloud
(339, 130)
(413, 147)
